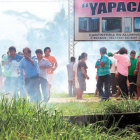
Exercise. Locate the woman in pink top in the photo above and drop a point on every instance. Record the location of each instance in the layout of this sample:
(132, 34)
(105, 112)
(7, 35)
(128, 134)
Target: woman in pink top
(123, 63)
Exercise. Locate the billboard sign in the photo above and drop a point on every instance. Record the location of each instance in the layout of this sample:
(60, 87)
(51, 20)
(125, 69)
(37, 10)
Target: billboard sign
(107, 20)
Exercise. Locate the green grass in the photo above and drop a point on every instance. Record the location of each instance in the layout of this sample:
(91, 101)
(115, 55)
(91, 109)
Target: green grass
(77, 108)
(66, 95)
(123, 106)
(59, 95)
(20, 119)
(88, 108)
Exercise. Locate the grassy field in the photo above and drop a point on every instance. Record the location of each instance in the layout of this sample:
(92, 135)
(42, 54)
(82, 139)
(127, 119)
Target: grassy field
(65, 95)
(92, 106)
(20, 119)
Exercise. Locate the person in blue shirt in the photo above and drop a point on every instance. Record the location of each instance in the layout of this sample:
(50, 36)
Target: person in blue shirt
(30, 73)
(11, 71)
(104, 74)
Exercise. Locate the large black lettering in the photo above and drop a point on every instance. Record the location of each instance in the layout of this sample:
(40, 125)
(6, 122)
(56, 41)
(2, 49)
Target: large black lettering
(93, 8)
(102, 8)
(121, 7)
(111, 5)
(139, 7)
(129, 6)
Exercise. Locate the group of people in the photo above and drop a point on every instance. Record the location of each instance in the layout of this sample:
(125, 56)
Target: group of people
(77, 75)
(117, 74)
(118, 69)
(27, 74)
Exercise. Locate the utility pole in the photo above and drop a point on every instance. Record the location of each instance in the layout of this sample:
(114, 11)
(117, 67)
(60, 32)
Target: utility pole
(71, 48)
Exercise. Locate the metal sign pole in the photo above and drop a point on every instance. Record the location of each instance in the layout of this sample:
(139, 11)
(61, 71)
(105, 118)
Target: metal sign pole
(71, 48)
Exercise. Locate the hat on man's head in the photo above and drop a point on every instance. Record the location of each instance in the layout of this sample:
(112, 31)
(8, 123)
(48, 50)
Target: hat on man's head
(110, 54)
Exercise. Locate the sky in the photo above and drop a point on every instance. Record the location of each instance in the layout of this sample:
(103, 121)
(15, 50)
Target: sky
(37, 23)
(11, 27)
(33, 23)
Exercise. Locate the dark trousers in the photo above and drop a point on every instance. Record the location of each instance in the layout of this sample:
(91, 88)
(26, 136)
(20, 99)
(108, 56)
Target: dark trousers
(113, 83)
(104, 81)
(43, 83)
(33, 89)
(72, 89)
(132, 82)
(122, 81)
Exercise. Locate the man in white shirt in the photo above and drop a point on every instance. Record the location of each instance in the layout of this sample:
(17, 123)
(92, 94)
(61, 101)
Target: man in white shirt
(113, 69)
(71, 84)
(43, 65)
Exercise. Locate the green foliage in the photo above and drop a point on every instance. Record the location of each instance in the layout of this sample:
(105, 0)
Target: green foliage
(122, 106)
(88, 108)
(77, 108)
(20, 119)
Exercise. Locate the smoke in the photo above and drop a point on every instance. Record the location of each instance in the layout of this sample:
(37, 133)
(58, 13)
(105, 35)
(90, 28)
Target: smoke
(33, 30)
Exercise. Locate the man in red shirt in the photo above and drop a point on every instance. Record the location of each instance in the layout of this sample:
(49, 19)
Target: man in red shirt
(50, 71)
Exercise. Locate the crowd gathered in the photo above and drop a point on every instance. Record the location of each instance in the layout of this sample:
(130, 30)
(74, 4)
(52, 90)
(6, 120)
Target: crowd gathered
(22, 74)
(118, 74)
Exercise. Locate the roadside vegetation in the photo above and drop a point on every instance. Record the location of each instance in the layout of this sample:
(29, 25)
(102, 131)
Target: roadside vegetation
(20, 119)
